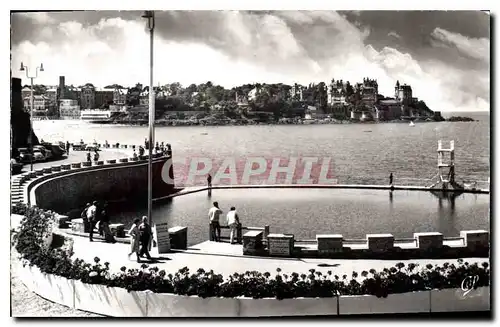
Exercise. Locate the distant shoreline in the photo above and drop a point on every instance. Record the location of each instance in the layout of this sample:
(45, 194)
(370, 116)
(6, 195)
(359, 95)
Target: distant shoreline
(185, 122)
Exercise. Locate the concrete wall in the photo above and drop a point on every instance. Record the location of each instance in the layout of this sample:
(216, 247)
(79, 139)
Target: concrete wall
(114, 182)
(117, 302)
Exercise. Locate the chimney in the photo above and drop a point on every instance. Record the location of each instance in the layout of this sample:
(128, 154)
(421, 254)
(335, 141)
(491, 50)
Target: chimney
(61, 87)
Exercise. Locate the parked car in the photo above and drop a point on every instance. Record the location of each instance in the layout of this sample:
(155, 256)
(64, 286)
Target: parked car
(57, 151)
(79, 147)
(92, 148)
(44, 150)
(38, 155)
(24, 155)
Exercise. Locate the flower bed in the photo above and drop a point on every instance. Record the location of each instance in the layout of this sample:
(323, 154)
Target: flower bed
(31, 244)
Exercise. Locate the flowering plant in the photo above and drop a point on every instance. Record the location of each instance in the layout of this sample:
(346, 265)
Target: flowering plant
(398, 279)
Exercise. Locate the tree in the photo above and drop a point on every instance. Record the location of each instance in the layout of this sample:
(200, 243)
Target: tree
(192, 88)
(175, 88)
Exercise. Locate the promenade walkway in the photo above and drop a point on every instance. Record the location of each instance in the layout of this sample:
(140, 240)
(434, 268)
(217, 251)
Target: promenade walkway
(80, 156)
(226, 261)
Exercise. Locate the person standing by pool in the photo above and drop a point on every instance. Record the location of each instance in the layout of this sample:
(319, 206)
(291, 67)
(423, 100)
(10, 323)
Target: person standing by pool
(83, 215)
(214, 217)
(232, 221)
(390, 179)
(146, 234)
(209, 180)
(134, 239)
(104, 224)
(67, 147)
(91, 216)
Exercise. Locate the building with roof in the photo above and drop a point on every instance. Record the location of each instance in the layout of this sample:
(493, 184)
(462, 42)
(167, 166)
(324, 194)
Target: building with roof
(297, 92)
(388, 110)
(104, 97)
(337, 94)
(41, 105)
(369, 92)
(69, 109)
(26, 92)
(87, 96)
(144, 97)
(403, 93)
(120, 96)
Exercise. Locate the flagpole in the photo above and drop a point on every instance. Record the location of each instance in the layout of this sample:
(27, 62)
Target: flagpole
(151, 25)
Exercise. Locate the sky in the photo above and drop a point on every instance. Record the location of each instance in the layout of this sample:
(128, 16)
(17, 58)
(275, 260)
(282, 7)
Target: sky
(443, 55)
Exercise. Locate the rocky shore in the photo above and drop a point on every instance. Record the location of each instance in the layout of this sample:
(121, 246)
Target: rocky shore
(239, 122)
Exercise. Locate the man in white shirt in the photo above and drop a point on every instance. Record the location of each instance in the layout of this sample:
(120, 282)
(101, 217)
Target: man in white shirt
(232, 221)
(214, 215)
(91, 211)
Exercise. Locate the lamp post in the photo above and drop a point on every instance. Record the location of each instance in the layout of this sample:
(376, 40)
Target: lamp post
(149, 15)
(30, 137)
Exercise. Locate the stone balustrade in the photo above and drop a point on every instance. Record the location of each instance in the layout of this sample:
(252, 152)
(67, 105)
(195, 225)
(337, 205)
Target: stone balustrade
(66, 166)
(47, 170)
(76, 165)
(86, 163)
(117, 230)
(475, 239)
(56, 168)
(280, 245)
(252, 242)
(111, 161)
(78, 225)
(380, 242)
(430, 240)
(39, 172)
(178, 237)
(123, 160)
(62, 221)
(329, 243)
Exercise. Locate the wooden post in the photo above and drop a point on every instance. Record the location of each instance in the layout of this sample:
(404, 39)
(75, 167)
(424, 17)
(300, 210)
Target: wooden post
(266, 231)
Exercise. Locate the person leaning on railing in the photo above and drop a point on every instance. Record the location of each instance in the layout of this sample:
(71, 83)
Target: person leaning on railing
(214, 217)
(233, 221)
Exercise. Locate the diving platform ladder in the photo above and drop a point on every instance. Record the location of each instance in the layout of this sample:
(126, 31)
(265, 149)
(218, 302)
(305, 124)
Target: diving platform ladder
(446, 167)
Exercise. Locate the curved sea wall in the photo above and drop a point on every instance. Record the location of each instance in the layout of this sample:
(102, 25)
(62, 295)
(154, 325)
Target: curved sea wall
(63, 188)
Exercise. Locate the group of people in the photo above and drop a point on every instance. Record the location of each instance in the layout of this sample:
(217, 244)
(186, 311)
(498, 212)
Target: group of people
(159, 148)
(141, 238)
(96, 215)
(96, 156)
(232, 220)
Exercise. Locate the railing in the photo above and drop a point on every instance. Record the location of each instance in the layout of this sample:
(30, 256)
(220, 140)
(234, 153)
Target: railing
(239, 232)
(396, 240)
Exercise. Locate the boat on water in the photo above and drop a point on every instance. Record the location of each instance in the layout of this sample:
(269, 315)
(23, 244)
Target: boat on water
(97, 116)
(412, 124)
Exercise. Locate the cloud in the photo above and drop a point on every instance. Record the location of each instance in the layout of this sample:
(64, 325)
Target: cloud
(478, 48)
(394, 34)
(233, 48)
